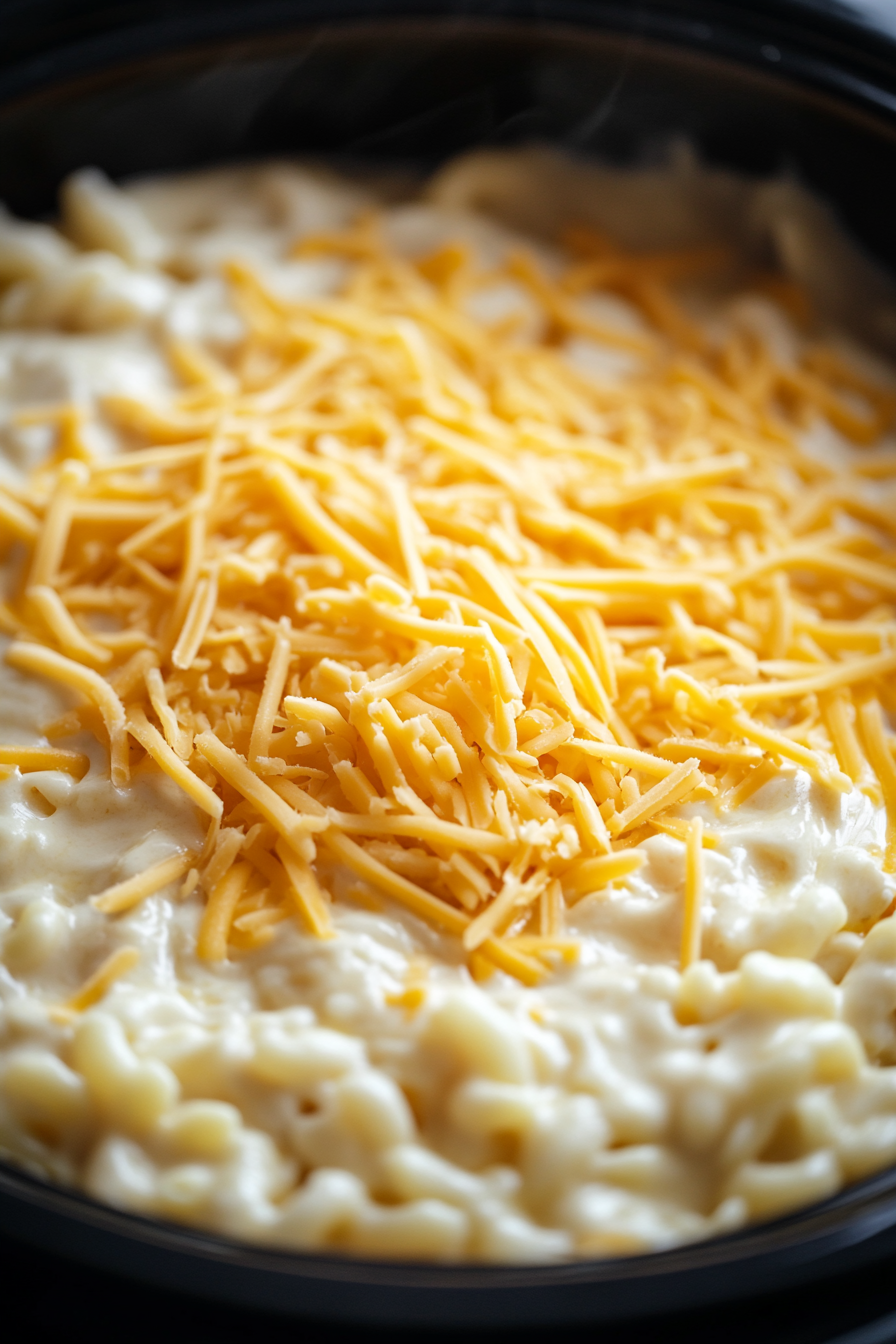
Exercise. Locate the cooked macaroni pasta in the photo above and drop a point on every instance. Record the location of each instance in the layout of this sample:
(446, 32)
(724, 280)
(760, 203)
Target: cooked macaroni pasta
(448, 799)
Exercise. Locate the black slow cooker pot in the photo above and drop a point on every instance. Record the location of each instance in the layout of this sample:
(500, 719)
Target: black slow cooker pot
(808, 86)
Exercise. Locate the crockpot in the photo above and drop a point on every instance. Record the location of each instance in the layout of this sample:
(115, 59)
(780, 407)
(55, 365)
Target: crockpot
(805, 86)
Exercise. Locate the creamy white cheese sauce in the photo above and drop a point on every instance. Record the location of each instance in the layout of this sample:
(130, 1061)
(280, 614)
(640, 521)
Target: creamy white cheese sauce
(289, 1095)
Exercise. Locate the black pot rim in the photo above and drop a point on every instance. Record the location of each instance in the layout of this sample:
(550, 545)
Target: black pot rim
(799, 1248)
(804, 41)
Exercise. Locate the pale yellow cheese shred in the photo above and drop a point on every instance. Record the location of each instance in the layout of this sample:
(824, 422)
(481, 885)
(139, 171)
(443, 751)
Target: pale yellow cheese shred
(116, 965)
(691, 927)
(124, 895)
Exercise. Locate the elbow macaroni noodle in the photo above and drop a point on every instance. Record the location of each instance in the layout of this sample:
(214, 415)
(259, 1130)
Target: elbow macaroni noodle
(548, 911)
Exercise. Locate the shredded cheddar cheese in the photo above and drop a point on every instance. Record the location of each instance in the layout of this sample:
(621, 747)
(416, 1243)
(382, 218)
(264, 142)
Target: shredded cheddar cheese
(45, 758)
(116, 965)
(124, 895)
(693, 893)
(401, 595)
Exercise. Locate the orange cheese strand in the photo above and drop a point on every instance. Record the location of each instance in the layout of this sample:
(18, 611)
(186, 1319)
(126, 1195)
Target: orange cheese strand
(413, 610)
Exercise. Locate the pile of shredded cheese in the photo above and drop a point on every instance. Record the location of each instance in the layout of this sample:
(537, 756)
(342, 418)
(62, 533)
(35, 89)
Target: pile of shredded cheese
(412, 608)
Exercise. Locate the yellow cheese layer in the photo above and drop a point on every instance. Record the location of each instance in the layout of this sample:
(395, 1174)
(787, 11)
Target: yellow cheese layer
(405, 597)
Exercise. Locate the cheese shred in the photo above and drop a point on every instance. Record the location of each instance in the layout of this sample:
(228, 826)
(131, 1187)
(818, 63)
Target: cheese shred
(124, 895)
(691, 927)
(410, 607)
(116, 965)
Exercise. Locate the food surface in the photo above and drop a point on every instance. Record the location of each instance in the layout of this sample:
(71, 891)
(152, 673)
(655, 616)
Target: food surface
(448, 800)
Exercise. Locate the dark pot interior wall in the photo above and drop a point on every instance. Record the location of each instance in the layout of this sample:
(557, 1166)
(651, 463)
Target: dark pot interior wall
(417, 92)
